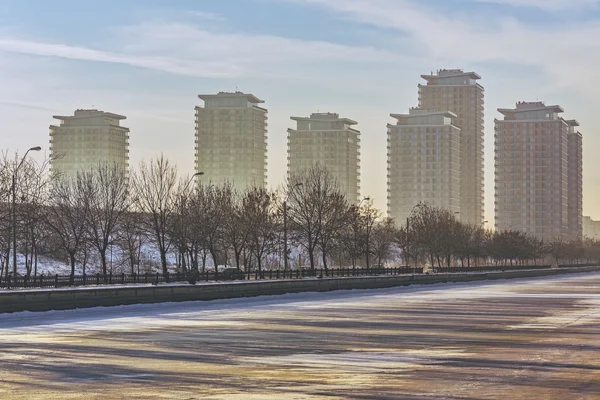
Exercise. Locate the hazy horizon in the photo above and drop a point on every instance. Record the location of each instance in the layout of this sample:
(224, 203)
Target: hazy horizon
(362, 60)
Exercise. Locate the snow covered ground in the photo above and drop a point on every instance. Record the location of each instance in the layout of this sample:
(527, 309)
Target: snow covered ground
(513, 339)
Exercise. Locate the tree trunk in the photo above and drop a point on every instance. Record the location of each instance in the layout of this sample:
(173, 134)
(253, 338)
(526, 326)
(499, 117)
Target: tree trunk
(237, 259)
(35, 262)
(259, 263)
(102, 253)
(72, 259)
(311, 257)
(183, 256)
(213, 254)
(163, 260)
(204, 260)
(131, 258)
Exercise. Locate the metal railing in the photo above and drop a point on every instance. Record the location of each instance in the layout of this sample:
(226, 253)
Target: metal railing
(230, 274)
(489, 268)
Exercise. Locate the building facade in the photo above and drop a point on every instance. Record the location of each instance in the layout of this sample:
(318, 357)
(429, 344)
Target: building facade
(85, 140)
(231, 140)
(424, 162)
(538, 172)
(331, 141)
(591, 228)
(575, 181)
(459, 92)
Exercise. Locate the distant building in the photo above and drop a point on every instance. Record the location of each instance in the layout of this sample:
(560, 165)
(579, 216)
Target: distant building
(591, 228)
(424, 162)
(331, 141)
(231, 140)
(87, 139)
(457, 91)
(538, 172)
(575, 181)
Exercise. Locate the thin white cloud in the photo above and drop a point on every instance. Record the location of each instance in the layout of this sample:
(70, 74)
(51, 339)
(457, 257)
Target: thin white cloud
(205, 69)
(548, 5)
(566, 54)
(206, 16)
(253, 55)
(25, 105)
(185, 49)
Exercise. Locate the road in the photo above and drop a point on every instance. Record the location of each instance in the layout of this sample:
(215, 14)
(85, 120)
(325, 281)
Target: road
(518, 339)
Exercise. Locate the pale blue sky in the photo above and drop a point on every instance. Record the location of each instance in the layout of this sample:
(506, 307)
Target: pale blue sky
(362, 59)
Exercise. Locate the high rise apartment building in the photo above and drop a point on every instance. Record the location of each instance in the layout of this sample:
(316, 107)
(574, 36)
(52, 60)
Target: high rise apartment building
(424, 162)
(85, 140)
(538, 172)
(575, 181)
(458, 92)
(231, 140)
(331, 141)
(591, 228)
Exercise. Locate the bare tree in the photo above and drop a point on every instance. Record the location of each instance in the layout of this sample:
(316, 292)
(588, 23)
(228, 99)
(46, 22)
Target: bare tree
(207, 212)
(335, 216)
(5, 215)
(66, 218)
(259, 208)
(217, 197)
(236, 231)
(196, 214)
(154, 187)
(470, 243)
(314, 198)
(369, 217)
(105, 191)
(514, 246)
(431, 230)
(131, 238)
(351, 241)
(382, 239)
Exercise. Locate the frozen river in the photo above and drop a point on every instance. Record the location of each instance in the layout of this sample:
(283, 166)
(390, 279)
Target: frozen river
(520, 339)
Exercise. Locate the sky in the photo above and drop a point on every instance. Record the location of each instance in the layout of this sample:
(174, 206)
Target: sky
(362, 59)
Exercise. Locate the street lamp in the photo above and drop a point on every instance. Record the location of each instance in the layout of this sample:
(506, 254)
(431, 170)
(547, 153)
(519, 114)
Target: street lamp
(285, 241)
(14, 206)
(192, 178)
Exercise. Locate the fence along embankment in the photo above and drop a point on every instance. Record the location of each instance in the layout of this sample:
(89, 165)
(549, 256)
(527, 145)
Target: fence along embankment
(63, 299)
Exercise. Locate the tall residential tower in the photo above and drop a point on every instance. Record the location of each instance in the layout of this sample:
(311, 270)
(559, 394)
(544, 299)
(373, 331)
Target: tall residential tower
(457, 91)
(87, 139)
(538, 172)
(423, 162)
(231, 139)
(327, 139)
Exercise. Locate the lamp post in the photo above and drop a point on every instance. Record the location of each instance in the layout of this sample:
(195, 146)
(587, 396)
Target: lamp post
(285, 241)
(181, 206)
(14, 206)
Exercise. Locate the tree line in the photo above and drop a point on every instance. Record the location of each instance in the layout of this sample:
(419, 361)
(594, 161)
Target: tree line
(192, 226)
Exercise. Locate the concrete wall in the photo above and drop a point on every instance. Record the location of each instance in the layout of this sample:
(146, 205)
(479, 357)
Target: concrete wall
(62, 299)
